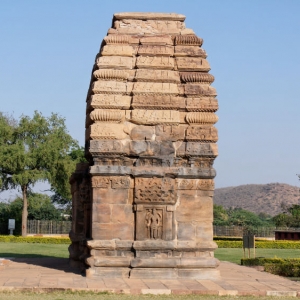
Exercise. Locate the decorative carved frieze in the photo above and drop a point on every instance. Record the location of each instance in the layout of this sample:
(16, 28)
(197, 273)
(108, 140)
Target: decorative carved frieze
(155, 62)
(154, 88)
(157, 102)
(153, 50)
(108, 101)
(120, 182)
(105, 131)
(203, 162)
(117, 39)
(118, 62)
(106, 147)
(189, 51)
(111, 87)
(111, 74)
(157, 75)
(201, 118)
(199, 90)
(155, 117)
(189, 40)
(206, 184)
(186, 184)
(202, 104)
(155, 190)
(107, 115)
(192, 64)
(100, 182)
(196, 77)
(201, 149)
(202, 134)
(130, 26)
(121, 50)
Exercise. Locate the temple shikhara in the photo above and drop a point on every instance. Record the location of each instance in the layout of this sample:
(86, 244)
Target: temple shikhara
(143, 204)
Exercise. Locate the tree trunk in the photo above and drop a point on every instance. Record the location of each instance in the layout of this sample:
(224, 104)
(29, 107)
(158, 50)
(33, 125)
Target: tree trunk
(24, 211)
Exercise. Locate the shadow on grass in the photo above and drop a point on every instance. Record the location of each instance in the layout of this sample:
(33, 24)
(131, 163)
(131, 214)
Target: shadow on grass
(45, 261)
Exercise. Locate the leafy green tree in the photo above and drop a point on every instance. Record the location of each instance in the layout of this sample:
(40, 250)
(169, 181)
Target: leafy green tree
(221, 217)
(33, 150)
(289, 218)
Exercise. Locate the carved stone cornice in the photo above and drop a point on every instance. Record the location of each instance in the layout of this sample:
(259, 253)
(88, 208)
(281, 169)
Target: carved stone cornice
(106, 115)
(116, 39)
(201, 118)
(189, 40)
(196, 77)
(110, 74)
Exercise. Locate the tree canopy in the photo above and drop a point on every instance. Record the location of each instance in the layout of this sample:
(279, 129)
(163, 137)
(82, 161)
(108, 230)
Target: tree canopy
(36, 149)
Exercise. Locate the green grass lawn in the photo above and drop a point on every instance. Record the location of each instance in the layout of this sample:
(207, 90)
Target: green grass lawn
(234, 254)
(33, 250)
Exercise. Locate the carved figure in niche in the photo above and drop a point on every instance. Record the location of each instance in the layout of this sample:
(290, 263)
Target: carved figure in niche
(154, 224)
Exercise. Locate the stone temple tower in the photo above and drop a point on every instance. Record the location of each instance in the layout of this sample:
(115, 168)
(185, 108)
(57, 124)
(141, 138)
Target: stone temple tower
(143, 205)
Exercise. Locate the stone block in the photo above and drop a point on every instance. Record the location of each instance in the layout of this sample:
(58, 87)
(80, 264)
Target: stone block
(201, 149)
(106, 131)
(107, 272)
(109, 101)
(155, 62)
(204, 230)
(153, 50)
(202, 133)
(122, 231)
(155, 88)
(155, 117)
(118, 62)
(192, 64)
(202, 104)
(101, 213)
(200, 274)
(158, 102)
(154, 273)
(111, 196)
(157, 75)
(106, 147)
(109, 87)
(199, 90)
(119, 50)
(112, 261)
(169, 133)
(122, 214)
(156, 40)
(144, 133)
(189, 51)
(185, 231)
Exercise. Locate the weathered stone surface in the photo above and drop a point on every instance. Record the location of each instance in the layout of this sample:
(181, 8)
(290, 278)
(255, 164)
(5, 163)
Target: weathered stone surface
(149, 16)
(101, 213)
(153, 50)
(158, 102)
(154, 117)
(122, 214)
(105, 147)
(195, 90)
(107, 115)
(192, 64)
(196, 77)
(157, 76)
(110, 231)
(154, 88)
(169, 133)
(111, 87)
(201, 149)
(202, 104)
(121, 50)
(155, 62)
(203, 118)
(186, 231)
(131, 26)
(118, 62)
(189, 51)
(202, 133)
(109, 101)
(111, 196)
(145, 133)
(156, 40)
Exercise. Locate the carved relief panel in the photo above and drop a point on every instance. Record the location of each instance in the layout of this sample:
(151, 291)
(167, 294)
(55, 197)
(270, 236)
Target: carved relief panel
(154, 222)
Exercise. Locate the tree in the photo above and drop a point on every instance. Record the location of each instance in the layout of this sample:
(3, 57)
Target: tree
(220, 215)
(32, 150)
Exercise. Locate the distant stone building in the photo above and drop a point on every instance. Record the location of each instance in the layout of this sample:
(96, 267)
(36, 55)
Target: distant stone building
(143, 206)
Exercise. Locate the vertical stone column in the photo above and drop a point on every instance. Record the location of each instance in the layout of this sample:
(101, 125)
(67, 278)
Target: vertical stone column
(151, 143)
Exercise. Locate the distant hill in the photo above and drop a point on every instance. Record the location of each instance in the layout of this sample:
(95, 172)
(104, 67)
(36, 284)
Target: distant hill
(266, 198)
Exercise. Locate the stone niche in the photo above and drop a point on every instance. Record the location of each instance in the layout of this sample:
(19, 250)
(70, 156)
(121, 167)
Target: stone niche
(143, 204)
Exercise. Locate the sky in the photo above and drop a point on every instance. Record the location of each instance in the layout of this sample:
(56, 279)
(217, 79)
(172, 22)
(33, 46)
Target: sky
(48, 49)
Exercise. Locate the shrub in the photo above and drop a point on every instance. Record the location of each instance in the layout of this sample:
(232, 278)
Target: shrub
(31, 239)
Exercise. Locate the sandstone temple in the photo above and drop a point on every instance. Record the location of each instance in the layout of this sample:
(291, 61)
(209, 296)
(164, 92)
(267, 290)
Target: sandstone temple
(143, 204)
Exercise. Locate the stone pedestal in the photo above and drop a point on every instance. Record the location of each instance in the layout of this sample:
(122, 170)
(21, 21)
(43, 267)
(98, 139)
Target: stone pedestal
(143, 205)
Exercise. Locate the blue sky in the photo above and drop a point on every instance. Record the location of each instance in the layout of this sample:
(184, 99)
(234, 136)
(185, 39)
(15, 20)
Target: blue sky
(48, 49)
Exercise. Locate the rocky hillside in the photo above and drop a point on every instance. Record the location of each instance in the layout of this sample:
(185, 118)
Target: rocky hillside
(266, 198)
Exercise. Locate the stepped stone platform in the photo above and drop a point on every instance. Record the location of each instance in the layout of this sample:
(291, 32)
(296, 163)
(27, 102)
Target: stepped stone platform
(50, 274)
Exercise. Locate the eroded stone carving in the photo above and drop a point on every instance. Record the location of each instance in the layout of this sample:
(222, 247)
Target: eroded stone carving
(189, 51)
(153, 50)
(107, 115)
(118, 62)
(154, 88)
(192, 64)
(197, 77)
(109, 101)
(122, 50)
(190, 40)
(202, 133)
(158, 102)
(111, 74)
(202, 104)
(155, 190)
(157, 75)
(155, 62)
(201, 118)
(154, 117)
